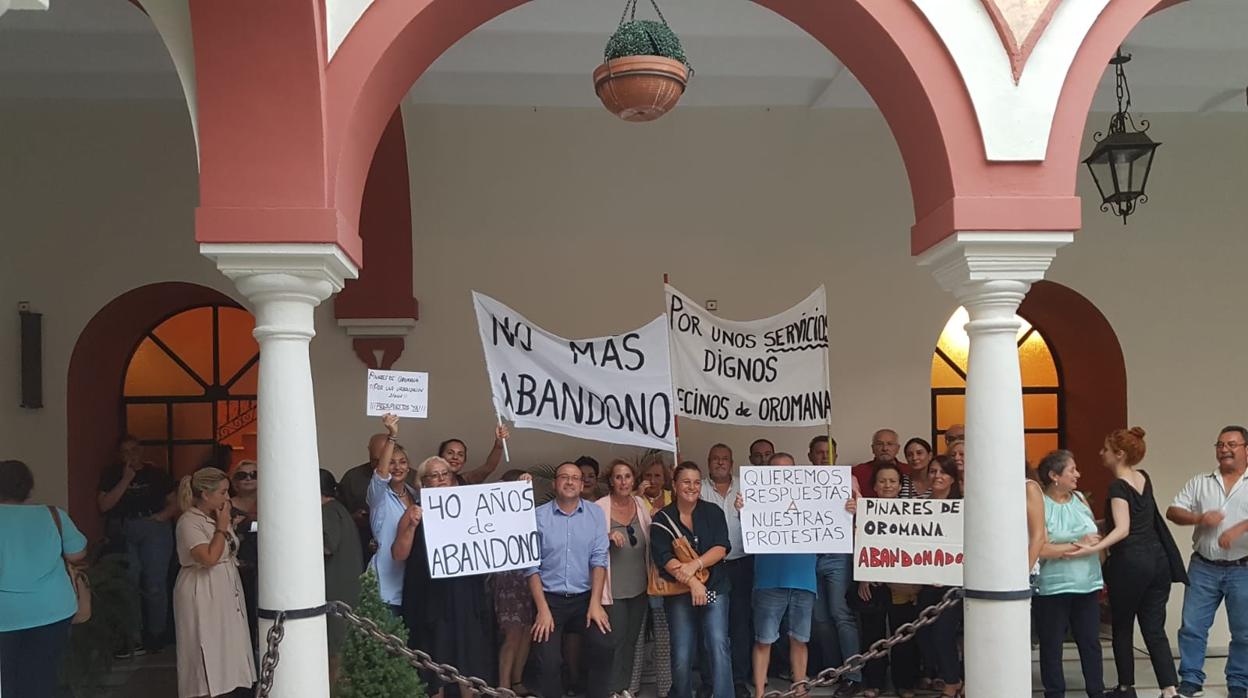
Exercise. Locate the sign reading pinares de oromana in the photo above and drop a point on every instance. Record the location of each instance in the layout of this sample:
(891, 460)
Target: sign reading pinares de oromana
(769, 372)
(477, 529)
(402, 393)
(796, 509)
(917, 541)
(615, 389)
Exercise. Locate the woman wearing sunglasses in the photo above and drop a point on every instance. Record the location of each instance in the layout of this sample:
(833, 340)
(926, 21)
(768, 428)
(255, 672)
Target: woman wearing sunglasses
(624, 594)
(244, 486)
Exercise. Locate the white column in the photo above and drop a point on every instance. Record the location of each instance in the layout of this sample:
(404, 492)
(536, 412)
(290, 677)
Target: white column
(283, 285)
(989, 273)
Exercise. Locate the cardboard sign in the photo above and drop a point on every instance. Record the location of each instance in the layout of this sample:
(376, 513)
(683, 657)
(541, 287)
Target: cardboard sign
(401, 393)
(478, 529)
(915, 541)
(796, 509)
(616, 389)
(769, 372)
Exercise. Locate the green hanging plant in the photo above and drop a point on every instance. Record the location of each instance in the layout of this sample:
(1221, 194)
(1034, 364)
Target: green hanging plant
(645, 37)
(368, 671)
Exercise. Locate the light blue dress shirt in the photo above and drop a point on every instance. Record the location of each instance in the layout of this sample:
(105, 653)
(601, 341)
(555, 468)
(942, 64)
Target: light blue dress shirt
(572, 545)
(385, 509)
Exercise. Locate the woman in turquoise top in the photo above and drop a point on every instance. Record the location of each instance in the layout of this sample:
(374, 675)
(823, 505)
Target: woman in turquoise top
(1069, 580)
(36, 597)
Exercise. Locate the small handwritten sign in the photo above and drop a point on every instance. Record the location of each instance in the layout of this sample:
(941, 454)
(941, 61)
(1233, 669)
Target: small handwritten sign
(477, 529)
(402, 393)
(796, 509)
(916, 541)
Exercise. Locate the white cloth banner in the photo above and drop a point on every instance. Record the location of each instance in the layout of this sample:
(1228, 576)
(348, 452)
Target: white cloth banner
(916, 541)
(477, 529)
(615, 389)
(796, 509)
(770, 372)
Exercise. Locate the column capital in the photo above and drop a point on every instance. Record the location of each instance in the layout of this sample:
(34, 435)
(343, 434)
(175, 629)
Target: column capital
(969, 264)
(318, 270)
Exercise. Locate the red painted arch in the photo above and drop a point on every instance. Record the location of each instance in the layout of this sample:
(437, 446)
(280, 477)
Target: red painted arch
(1094, 374)
(97, 371)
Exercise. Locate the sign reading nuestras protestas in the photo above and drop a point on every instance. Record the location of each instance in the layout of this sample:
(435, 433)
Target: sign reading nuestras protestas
(476, 529)
(770, 372)
(796, 509)
(402, 393)
(916, 541)
(616, 389)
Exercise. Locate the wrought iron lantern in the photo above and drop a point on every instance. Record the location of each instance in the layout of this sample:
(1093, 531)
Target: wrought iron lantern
(1123, 156)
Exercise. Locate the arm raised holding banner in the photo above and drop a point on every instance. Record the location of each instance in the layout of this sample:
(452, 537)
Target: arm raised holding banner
(481, 474)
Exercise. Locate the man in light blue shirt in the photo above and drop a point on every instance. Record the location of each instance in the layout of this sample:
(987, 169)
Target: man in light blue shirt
(568, 585)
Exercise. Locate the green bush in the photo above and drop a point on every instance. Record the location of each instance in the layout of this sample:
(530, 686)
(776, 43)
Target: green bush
(368, 671)
(114, 607)
(645, 37)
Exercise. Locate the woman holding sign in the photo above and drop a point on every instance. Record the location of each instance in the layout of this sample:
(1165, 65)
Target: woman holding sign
(450, 618)
(455, 453)
(939, 641)
(1069, 580)
(624, 594)
(389, 498)
(704, 608)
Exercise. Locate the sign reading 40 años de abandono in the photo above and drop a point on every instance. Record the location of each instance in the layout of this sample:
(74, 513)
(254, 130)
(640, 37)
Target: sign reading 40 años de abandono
(476, 529)
(915, 541)
(796, 509)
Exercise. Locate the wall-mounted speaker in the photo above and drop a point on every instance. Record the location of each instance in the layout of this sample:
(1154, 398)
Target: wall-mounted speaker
(32, 358)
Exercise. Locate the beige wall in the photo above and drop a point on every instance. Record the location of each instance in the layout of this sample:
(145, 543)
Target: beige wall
(572, 217)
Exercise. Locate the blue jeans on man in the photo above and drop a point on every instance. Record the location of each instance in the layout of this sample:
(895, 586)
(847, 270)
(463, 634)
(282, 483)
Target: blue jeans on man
(835, 623)
(686, 622)
(1209, 586)
(149, 548)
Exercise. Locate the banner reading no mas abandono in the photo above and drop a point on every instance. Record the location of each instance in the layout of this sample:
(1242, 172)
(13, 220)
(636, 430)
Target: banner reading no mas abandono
(770, 372)
(615, 389)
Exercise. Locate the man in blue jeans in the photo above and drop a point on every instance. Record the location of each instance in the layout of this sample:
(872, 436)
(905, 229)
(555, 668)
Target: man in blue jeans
(140, 496)
(1216, 503)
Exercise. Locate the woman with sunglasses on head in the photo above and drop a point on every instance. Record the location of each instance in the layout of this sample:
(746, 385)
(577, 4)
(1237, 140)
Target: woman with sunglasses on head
(450, 618)
(624, 594)
(243, 514)
(390, 499)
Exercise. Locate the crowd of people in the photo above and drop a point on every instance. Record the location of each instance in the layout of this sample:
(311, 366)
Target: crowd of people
(642, 571)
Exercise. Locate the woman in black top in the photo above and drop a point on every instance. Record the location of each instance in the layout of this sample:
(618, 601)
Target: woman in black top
(1139, 570)
(705, 607)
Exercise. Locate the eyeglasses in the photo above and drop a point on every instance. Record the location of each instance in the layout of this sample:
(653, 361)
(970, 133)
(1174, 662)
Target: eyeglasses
(245, 475)
(569, 478)
(438, 475)
(1228, 444)
(632, 533)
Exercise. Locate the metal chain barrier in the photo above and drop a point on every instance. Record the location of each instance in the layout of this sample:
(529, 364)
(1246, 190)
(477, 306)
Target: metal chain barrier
(449, 674)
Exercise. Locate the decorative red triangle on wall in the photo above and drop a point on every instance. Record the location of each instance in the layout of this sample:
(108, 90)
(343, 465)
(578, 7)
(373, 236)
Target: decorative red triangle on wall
(1020, 23)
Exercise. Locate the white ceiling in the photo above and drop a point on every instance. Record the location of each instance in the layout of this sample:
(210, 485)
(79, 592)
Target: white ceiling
(1189, 58)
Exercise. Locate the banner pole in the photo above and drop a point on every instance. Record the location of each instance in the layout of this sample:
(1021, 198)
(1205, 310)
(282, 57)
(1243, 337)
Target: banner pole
(675, 418)
(506, 453)
(827, 372)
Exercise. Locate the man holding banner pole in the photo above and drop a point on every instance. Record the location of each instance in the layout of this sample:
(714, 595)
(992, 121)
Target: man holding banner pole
(567, 587)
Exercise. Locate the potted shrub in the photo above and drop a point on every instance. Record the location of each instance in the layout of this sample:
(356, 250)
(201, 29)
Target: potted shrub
(644, 70)
(368, 671)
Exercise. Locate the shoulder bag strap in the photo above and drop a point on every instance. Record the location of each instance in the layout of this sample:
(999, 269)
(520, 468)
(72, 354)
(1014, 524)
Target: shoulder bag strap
(56, 516)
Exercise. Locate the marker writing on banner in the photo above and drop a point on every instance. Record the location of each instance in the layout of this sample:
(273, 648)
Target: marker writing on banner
(610, 356)
(680, 321)
(511, 334)
(647, 414)
(898, 557)
(479, 546)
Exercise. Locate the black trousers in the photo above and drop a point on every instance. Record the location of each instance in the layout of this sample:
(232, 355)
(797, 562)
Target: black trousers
(741, 617)
(939, 641)
(1139, 587)
(597, 647)
(879, 618)
(1081, 615)
(30, 660)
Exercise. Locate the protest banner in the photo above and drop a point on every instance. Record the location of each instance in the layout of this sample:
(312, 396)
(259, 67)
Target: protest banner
(913, 541)
(615, 389)
(770, 372)
(401, 393)
(796, 509)
(475, 529)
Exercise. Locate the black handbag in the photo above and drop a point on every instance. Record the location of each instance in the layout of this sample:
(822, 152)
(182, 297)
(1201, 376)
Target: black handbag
(1178, 570)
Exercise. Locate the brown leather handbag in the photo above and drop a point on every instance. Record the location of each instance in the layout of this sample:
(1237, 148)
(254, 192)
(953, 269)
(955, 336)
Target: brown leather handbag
(78, 578)
(656, 583)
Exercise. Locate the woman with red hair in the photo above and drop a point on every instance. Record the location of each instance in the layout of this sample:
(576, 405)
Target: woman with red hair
(1143, 563)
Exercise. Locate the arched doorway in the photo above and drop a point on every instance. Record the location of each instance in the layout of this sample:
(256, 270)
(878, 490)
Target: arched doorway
(96, 381)
(1073, 373)
(190, 387)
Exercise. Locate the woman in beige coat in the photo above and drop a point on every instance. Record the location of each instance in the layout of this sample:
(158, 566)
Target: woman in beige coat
(214, 644)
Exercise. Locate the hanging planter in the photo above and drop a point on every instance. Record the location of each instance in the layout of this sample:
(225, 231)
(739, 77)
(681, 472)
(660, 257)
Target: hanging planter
(644, 70)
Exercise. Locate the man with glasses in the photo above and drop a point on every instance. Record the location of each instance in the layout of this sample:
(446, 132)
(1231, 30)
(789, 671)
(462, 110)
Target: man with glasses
(885, 445)
(567, 586)
(1216, 503)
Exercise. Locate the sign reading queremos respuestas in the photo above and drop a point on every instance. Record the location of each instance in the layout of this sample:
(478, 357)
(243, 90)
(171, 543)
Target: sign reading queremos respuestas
(916, 541)
(796, 509)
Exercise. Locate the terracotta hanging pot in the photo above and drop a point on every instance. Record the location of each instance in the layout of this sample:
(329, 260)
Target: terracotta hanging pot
(640, 88)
